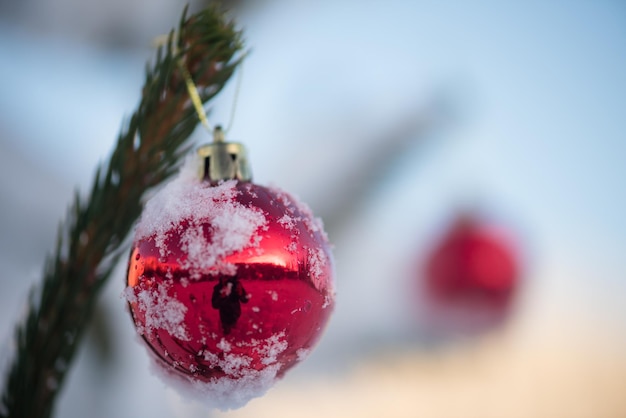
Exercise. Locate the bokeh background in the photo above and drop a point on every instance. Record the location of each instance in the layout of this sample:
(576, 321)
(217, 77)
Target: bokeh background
(388, 119)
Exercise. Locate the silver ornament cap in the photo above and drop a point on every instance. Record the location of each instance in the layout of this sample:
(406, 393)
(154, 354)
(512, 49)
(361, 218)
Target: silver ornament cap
(223, 160)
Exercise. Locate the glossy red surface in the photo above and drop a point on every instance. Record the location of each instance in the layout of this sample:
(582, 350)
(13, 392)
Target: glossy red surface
(280, 293)
(473, 268)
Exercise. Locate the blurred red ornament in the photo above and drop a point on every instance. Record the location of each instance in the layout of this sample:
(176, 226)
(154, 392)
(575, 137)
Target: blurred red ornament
(472, 275)
(230, 283)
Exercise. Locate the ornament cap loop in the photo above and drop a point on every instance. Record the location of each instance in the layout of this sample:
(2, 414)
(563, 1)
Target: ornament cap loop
(223, 160)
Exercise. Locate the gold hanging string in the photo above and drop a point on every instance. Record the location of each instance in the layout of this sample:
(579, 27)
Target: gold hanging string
(192, 89)
(195, 96)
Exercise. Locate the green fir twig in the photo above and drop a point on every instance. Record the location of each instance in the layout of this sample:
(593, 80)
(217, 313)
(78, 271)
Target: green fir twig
(91, 239)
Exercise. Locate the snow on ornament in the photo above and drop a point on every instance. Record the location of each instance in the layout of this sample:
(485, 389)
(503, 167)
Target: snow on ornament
(471, 277)
(230, 284)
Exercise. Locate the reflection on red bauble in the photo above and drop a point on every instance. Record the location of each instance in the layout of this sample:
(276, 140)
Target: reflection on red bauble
(229, 284)
(472, 276)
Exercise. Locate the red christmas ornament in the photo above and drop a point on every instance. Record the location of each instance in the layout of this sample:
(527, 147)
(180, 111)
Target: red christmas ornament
(230, 284)
(472, 276)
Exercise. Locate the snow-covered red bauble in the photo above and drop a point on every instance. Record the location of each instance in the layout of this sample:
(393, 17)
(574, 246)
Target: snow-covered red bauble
(230, 284)
(472, 275)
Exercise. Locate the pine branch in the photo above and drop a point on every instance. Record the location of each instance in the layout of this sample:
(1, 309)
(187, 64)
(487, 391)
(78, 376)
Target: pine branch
(91, 240)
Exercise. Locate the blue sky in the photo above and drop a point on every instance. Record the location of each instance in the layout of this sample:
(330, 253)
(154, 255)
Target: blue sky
(541, 88)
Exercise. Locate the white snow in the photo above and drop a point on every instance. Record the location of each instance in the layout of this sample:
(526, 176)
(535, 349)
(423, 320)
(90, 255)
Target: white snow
(224, 345)
(242, 382)
(317, 262)
(161, 311)
(292, 247)
(287, 221)
(303, 353)
(271, 347)
(236, 365)
(329, 298)
(233, 226)
(313, 224)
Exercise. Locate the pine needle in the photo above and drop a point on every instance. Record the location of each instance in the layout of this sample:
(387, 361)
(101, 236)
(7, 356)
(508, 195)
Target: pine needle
(91, 239)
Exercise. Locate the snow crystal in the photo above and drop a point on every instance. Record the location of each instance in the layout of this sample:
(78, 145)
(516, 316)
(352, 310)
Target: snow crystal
(161, 311)
(317, 262)
(233, 226)
(210, 357)
(224, 345)
(283, 198)
(201, 254)
(328, 299)
(129, 294)
(271, 347)
(312, 223)
(287, 221)
(302, 353)
(236, 365)
(292, 247)
(242, 382)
